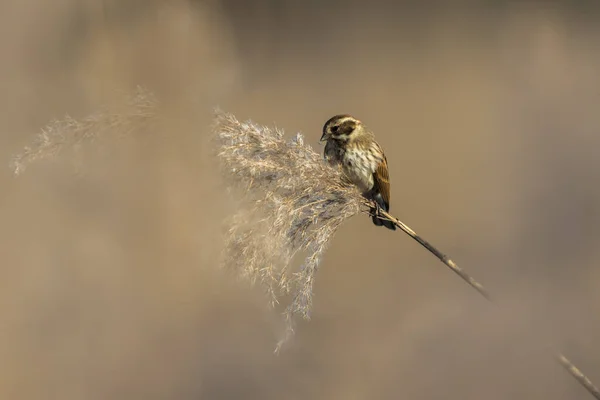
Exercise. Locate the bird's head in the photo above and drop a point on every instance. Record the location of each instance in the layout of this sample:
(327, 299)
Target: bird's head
(341, 128)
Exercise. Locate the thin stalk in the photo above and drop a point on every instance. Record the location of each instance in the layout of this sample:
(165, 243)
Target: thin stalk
(560, 358)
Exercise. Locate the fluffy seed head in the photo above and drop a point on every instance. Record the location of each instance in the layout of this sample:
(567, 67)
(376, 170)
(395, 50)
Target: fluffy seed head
(293, 204)
(102, 129)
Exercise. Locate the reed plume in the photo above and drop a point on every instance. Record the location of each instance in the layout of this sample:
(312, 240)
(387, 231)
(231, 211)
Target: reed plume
(293, 204)
(96, 132)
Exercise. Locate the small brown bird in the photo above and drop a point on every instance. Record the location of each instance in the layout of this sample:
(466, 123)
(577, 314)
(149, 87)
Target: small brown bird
(352, 145)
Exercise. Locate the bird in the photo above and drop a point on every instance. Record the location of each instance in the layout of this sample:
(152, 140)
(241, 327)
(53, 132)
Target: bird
(352, 146)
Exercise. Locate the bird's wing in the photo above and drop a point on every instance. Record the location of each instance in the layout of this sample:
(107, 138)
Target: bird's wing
(382, 181)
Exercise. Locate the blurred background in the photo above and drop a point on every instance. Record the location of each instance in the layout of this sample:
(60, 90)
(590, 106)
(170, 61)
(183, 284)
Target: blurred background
(487, 110)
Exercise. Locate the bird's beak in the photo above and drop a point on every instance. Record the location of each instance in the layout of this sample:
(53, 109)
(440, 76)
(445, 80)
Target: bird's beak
(323, 137)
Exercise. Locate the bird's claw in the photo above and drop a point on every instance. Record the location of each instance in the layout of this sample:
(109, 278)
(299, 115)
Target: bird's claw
(378, 209)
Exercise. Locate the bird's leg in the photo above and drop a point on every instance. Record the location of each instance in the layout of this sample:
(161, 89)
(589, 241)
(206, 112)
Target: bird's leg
(377, 209)
(374, 211)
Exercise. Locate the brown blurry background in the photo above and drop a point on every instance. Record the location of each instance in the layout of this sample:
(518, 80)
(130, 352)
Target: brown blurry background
(489, 116)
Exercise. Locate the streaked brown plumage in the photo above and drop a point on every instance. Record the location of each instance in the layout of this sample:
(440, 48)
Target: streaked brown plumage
(351, 145)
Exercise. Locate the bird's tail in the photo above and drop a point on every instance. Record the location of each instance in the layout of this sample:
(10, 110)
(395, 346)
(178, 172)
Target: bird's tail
(379, 221)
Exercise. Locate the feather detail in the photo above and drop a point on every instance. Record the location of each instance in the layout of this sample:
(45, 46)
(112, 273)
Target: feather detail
(381, 185)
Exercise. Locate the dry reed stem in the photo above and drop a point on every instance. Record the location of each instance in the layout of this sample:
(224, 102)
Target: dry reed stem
(562, 359)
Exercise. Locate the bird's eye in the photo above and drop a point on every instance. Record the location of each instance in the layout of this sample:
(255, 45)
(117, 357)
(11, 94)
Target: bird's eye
(334, 129)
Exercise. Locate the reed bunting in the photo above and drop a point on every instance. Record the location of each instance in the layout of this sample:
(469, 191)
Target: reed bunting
(351, 145)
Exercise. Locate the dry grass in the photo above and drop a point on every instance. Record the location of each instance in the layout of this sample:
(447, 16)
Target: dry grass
(103, 128)
(294, 203)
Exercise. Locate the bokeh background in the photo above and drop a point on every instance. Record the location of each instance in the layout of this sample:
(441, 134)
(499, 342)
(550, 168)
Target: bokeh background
(488, 112)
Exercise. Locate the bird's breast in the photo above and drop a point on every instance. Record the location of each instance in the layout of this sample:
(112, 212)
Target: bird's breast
(359, 168)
